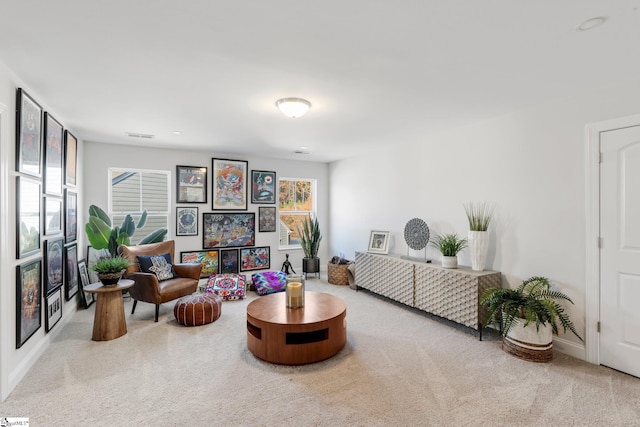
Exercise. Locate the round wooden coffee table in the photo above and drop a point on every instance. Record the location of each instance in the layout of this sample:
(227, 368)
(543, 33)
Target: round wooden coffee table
(296, 336)
(109, 321)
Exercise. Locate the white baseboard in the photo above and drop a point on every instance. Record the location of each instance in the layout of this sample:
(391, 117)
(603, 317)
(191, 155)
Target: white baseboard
(571, 348)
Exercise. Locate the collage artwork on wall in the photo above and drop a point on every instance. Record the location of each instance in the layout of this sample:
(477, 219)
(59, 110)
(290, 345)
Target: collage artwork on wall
(46, 162)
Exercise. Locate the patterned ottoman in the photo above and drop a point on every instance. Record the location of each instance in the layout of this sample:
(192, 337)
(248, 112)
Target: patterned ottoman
(227, 286)
(269, 282)
(197, 309)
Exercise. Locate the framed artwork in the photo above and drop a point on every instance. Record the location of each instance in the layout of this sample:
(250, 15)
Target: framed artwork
(228, 261)
(228, 230)
(28, 220)
(186, 221)
(255, 258)
(28, 309)
(70, 216)
(83, 274)
(52, 155)
(208, 259)
(379, 242)
(71, 272)
(229, 184)
(52, 215)
(53, 264)
(54, 309)
(28, 135)
(93, 256)
(266, 218)
(191, 184)
(263, 187)
(70, 158)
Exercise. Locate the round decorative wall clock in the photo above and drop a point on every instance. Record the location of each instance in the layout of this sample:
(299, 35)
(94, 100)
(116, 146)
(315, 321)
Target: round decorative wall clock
(416, 234)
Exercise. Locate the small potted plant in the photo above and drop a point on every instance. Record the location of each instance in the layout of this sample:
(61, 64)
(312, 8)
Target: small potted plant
(310, 238)
(449, 245)
(479, 216)
(528, 317)
(110, 269)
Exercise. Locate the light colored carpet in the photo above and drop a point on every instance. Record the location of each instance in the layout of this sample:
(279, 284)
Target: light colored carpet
(398, 368)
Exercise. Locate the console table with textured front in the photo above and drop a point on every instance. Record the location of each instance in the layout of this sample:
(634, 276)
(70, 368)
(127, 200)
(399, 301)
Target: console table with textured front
(448, 293)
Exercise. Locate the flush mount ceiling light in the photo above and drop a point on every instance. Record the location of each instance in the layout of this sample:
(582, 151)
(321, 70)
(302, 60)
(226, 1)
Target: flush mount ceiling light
(293, 107)
(590, 24)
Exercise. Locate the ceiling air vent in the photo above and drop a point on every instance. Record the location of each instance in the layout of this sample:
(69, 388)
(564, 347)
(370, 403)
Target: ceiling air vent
(140, 135)
(301, 152)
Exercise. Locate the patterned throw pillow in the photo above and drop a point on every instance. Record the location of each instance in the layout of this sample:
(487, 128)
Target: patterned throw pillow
(227, 286)
(160, 265)
(269, 282)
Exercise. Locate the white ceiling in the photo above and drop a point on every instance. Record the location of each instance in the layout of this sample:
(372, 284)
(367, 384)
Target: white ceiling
(376, 72)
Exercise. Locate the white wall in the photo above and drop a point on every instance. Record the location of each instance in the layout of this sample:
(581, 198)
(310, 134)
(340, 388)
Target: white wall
(98, 158)
(15, 363)
(530, 163)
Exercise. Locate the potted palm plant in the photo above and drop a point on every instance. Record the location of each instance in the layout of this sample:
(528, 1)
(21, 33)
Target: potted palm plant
(528, 317)
(449, 245)
(310, 238)
(479, 216)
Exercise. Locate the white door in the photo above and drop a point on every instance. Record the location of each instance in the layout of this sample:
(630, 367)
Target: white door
(620, 251)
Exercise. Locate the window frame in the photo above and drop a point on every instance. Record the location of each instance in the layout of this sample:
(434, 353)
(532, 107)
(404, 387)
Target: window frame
(312, 212)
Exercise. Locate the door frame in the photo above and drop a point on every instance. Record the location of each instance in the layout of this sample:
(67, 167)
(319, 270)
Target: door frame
(592, 232)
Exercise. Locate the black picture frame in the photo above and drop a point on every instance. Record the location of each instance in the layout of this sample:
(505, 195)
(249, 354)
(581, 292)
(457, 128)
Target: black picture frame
(83, 275)
(28, 300)
(70, 215)
(229, 261)
(53, 264)
(263, 187)
(53, 214)
(71, 271)
(258, 258)
(70, 158)
(267, 219)
(28, 135)
(209, 259)
(186, 221)
(53, 305)
(229, 184)
(227, 230)
(191, 184)
(53, 155)
(28, 219)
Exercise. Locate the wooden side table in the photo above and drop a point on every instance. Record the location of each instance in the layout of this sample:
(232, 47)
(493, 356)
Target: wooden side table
(109, 321)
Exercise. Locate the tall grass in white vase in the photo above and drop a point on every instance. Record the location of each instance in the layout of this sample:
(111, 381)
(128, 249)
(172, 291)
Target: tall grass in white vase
(479, 216)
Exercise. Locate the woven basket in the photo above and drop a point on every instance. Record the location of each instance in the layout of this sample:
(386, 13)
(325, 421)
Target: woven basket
(338, 274)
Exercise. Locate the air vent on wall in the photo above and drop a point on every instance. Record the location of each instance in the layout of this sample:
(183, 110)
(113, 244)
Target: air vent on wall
(140, 135)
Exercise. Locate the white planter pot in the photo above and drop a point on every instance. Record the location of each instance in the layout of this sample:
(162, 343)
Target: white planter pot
(529, 343)
(450, 261)
(478, 244)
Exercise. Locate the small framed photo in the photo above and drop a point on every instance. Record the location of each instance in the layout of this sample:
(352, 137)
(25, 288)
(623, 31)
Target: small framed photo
(379, 242)
(70, 158)
(266, 219)
(28, 220)
(191, 184)
(28, 135)
(53, 147)
(208, 259)
(263, 187)
(228, 261)
(54, 309)
(186, 221)
(229, 182)
(71, 272)
(70, 217)
(83, 273)
(53, 264)
(28, 297)
(255, 258)
(52, 215)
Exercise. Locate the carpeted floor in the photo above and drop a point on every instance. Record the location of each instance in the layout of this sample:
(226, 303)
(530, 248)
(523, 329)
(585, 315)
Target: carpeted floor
(399, 368)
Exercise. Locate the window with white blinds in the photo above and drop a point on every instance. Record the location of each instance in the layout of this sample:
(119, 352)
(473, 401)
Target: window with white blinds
(133, 191)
